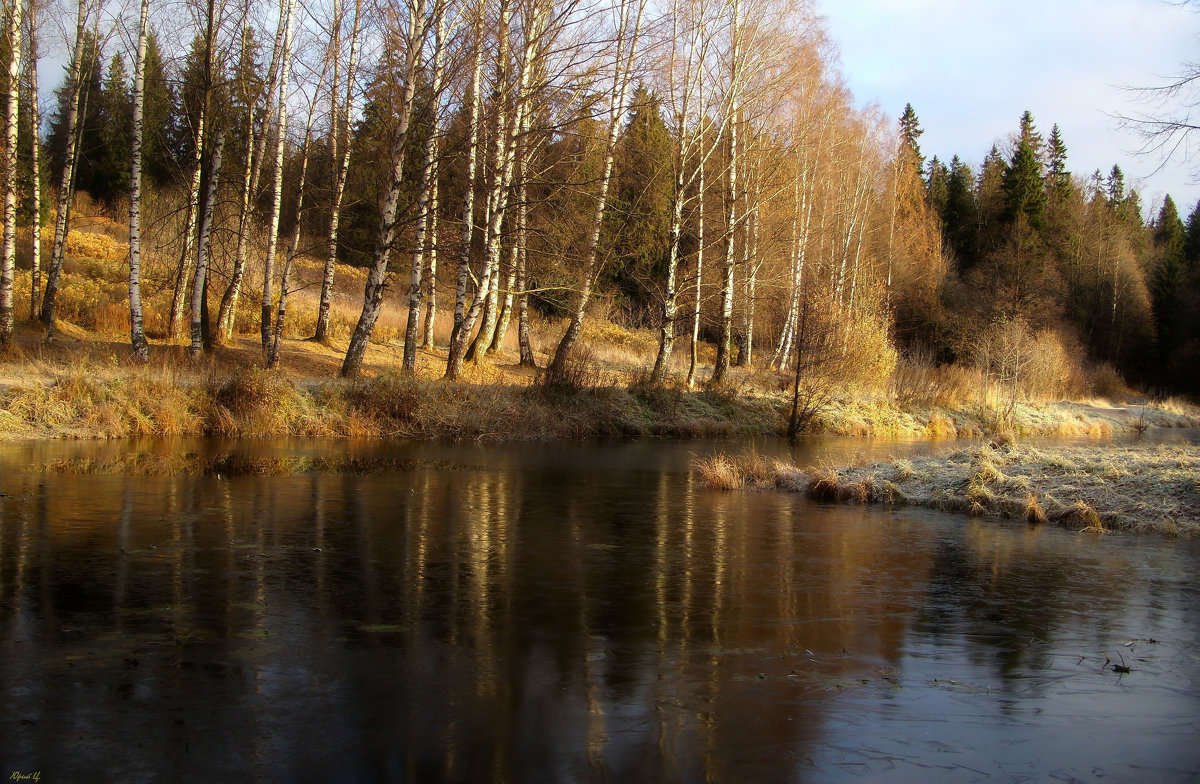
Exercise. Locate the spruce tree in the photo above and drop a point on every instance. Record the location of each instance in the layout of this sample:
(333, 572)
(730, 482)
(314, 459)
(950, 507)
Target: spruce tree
(159, 165)
(1024, 194)
(910, 150)
(637, 229)
(1168, 283)
(960, 214)
(1191, 240)
(88, 122)
(111, 161)
(1114, 187)
(1058, 179)
(936, 185)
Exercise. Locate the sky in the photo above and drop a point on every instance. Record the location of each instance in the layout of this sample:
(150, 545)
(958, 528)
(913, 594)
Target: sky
(971, 67)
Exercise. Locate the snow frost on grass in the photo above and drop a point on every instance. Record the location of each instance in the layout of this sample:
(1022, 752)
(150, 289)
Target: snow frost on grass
(1127, 488)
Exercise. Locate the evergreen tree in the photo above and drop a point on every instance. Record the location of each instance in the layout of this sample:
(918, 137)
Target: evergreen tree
(1169, 231)
(910, 150)
(1058, 179)
(1167, 289)
(1024, 193)
(937, 182)
(159, 165)
(989, 201)
(960, 214)
(1191, 240)
(111, 161)
(1028, 134)
(637, 228)
(1114, 187)
(89, 124)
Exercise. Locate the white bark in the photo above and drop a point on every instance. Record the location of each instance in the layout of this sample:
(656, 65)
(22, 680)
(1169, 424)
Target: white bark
(294, 246)
(724, 344)
(8, 263)
(35, 187)
(431, 268)
(286, 13)
(137, 332)
(199, 283)
(428, 174)
(67, 180)
(468, 220)
(341, 125)
(625, 56)
(374, 290)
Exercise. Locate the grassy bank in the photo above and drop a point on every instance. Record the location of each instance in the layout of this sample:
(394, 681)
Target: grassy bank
(85, 386)
(251, 402)
(1129, 488)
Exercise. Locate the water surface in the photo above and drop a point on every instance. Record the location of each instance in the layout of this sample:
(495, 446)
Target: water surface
(567, 612)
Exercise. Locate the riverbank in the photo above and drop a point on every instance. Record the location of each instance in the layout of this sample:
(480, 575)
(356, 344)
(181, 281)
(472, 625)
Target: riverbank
(86, 385)
(1136, 488)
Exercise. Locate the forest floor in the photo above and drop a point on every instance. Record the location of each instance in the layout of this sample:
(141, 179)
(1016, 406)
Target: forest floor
(1136, 487)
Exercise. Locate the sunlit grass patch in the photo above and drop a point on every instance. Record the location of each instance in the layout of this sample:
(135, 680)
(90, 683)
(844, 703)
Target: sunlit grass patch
(1135, 488)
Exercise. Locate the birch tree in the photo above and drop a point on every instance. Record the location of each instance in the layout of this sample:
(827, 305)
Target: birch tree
(425, 194)
(628, 33)
(248, 92)
(736, 78)
(294, 246)
(287, 9)
(418, 21)
(66, 188)
(13, 12)
(35, 178)
(511, 103)
(340, 147)
(137, 332)
(689, 46)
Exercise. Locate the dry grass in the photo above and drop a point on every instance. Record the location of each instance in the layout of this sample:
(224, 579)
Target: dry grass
(749, 469)
(1151, 489)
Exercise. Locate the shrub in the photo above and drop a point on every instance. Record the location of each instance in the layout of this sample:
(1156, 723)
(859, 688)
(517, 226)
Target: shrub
(1107, 383)
(579, 371)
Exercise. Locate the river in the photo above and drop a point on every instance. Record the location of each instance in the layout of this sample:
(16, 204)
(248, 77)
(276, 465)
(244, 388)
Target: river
(565, 613)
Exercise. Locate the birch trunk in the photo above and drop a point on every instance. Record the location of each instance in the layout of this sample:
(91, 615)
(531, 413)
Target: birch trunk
(294, 245)
(8, 263)
(341, 169)
(374, 290)
(468, 220)
(66, 182)
(200, 282)
(507, 120)
(747, 357)
(184, 271)
(506, 307)
(256, 146)
(425, 192)
(724, 344)
(524, 340)
(431, 274)
(287, 10)
(617, 103)
(35, 187)
(700, 240)
(137, 331)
